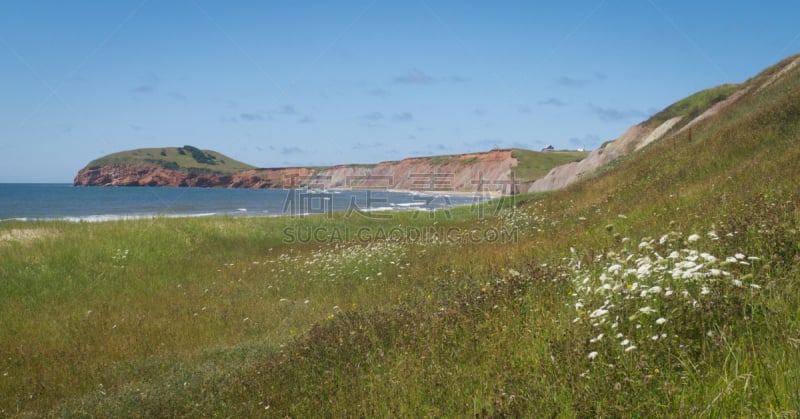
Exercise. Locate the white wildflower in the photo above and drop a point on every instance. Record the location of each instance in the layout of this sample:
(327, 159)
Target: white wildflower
(740, 256)
(661, 320)
(693, 238)
(647, 310)
(597, 313)
(630, 348)
(625, 342)
(592, 355)
(708, 257)
(597, 339)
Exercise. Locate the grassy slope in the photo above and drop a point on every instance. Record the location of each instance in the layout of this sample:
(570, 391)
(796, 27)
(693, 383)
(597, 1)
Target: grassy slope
(169, 157)
(693, 105)
(197, 327)
(532, 165)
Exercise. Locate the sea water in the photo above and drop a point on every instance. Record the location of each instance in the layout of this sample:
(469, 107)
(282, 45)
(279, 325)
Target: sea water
(30, 201)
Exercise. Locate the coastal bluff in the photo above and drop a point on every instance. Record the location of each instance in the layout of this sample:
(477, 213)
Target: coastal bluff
(499, 171)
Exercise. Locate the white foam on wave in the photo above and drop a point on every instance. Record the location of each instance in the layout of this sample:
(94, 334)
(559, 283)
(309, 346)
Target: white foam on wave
(100, 218)
(409, 204)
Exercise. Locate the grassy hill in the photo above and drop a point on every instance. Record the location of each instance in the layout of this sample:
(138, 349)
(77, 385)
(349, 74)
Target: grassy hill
(665, 286)
(186, 158)
(534, 165)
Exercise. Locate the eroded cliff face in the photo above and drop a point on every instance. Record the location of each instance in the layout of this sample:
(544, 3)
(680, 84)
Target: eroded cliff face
(145, 175)
(487, 172)
(476, 172)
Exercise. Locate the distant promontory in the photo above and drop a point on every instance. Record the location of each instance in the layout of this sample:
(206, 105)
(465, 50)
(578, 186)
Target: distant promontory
(498, 171)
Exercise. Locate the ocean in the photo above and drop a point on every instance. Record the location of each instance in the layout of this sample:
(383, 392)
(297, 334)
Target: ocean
(36, 201)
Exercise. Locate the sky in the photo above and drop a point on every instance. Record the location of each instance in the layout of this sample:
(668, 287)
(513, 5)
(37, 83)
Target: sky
(296, 83)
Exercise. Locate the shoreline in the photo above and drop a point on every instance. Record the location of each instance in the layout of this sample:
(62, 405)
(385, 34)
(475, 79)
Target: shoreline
(243, 213)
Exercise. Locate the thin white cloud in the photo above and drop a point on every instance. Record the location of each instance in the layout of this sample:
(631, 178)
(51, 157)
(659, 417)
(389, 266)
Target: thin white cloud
(609, 114)
(551, 101)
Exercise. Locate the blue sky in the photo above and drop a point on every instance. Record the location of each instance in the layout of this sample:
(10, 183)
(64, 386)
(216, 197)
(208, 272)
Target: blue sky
(277, 83)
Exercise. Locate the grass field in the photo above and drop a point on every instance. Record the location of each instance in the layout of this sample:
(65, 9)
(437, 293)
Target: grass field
(666, 286)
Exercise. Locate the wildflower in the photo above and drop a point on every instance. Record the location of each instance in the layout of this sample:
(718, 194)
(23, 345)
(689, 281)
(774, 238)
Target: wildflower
(740, 256)
(755, 286)
(592, 355)
(597, 339)
(625, 342)
(597, 313)
(630, 348)
(647, 310)
(693, 238)
(654, 290)
(661, 320)
(709, 258)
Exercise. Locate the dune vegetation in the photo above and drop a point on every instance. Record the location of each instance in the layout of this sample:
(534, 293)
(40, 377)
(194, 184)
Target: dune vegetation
(666, 285)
